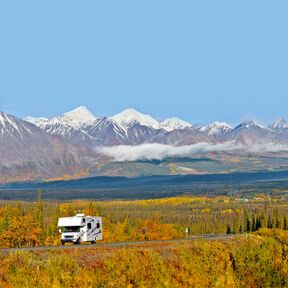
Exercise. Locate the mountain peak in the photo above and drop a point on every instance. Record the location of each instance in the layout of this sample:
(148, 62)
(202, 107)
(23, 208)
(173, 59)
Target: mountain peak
(249, 124)
(35, 120)
(174, 123)
(78, 117)
(80, 113)
(280, 124)
(7, 119)
(216, 128)
(12, 126)
(129, 112)
(131, 116)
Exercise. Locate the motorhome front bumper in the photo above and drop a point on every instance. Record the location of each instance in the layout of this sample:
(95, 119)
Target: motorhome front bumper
(70, 238)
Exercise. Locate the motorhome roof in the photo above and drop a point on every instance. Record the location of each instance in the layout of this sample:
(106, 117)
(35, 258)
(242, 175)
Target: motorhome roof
(70, 221)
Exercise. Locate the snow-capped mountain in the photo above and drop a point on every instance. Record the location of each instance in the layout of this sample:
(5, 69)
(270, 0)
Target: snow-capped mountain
(106, 132)
(129, 117)
(78, 117)
(131, 127)
(35, 120)
(27, 152)
(252, 133)
(250, 125)
(179, 137)
(281, 125)
(174, 123)
(55, 126)
(69, 126)
(216, 129)
(41, 148)
(138, 134)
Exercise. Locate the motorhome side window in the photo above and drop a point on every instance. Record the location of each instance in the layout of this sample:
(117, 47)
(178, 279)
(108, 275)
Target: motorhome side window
(89, 226)
(98, 225)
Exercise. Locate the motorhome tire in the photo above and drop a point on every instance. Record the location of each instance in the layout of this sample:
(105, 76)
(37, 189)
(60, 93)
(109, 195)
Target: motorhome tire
(77, 242)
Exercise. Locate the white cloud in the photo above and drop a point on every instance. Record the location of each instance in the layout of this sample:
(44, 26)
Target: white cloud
(160, 151)
(268, 148)
(124, 153)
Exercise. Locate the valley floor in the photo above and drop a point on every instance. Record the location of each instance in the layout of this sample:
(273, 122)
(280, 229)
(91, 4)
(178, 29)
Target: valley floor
(253, 253)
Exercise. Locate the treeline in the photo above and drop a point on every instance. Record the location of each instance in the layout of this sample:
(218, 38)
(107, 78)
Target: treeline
(35, 224)
(259, 260)
(258, 219)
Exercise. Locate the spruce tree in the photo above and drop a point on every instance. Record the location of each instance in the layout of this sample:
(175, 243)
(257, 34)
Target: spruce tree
(228, 231)
(285, 223)
(39, 217)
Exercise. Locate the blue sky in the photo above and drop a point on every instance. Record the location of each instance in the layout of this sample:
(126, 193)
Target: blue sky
(199, 60)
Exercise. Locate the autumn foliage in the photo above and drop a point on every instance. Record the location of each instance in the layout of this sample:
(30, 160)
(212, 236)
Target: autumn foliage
(256, 258)
(35, 224)
(259, 260)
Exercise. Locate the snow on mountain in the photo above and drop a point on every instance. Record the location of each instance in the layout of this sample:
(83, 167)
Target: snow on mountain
(130, 117)
(216, 128)
(180, 137)
(131, 127)
(78, 117)
(55, 126)
(52, 126)
(68, 126)
(174, 123)
(27, 152)
(75, 118)
(35, 120)
(252, 133)
(280, 125)
(139, 134)
(106, 132)
(41, 148)
(249, 125)
(11, 126)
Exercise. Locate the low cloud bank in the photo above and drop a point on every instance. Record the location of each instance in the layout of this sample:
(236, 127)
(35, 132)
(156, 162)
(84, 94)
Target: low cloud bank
(268, 148)
(124, 153)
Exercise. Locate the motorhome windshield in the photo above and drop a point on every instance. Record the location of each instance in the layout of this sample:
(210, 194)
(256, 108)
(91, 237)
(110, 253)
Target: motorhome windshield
(71, 229)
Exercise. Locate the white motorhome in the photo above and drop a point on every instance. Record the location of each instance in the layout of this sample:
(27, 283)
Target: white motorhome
(80, 228)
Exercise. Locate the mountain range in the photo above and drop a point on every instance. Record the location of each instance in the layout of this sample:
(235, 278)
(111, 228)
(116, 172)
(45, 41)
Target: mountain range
(66, 146)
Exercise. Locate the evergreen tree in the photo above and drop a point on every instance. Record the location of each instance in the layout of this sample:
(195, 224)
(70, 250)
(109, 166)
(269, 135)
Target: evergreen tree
(247, 221)
(285, 223)
(253, 228)
(228, 231)
(269, 223)
(276, 218)
(258, 224)
(248, 225)
(6, 220)
(56, 215)
(39, 217)
(240, 229)
(263, 219)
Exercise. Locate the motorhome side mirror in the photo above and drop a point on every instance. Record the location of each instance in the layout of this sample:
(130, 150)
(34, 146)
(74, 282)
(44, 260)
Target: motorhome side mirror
(60, 231)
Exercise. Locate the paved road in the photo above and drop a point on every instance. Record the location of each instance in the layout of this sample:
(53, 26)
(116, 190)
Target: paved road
(122, 244)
